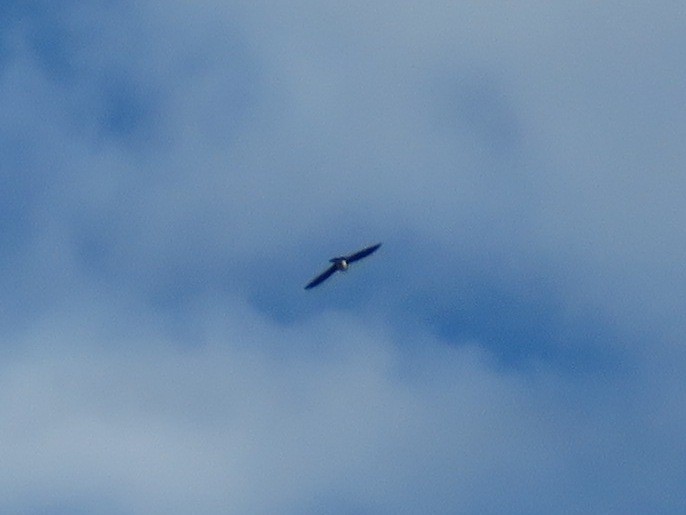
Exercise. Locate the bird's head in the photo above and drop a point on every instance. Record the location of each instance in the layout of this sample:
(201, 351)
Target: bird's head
(340, 262)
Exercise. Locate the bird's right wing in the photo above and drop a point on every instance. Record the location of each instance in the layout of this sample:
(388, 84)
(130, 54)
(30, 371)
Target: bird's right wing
(321, 277)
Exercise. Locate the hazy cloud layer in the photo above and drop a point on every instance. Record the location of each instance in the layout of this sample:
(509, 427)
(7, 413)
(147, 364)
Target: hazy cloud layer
(172, 175)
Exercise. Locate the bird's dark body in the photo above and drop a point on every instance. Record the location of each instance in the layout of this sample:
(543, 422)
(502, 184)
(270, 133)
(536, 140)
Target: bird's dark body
(341, 264)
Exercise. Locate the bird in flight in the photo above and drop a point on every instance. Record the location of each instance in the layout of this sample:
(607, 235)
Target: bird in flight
(341, 263)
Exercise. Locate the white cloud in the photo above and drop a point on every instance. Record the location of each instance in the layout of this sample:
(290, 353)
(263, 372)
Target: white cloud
(254, 417)
(537, 148)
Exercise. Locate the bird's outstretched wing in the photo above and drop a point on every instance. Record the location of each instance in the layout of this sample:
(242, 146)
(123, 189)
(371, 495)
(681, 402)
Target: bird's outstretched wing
(321, 277)
(363, 253)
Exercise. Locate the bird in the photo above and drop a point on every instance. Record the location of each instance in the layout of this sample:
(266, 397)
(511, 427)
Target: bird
(341, 263)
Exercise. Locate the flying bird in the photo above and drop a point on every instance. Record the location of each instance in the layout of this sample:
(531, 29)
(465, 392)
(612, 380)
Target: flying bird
(341, 263)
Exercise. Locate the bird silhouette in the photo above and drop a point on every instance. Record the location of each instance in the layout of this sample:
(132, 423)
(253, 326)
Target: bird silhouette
(341, 263)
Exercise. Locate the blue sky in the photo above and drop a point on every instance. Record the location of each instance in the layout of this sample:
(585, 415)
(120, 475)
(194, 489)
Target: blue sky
(173, 175)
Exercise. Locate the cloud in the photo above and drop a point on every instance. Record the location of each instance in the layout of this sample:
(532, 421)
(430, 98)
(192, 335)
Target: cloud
(174, 175)
(254, 417)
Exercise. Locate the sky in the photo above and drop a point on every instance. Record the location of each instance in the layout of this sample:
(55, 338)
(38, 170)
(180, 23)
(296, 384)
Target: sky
(172, 175)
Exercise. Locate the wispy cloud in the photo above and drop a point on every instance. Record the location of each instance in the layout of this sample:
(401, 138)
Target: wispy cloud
(172, 176)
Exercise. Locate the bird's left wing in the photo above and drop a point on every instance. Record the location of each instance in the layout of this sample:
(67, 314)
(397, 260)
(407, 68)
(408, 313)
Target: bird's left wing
(363, 253)
(321, 277)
